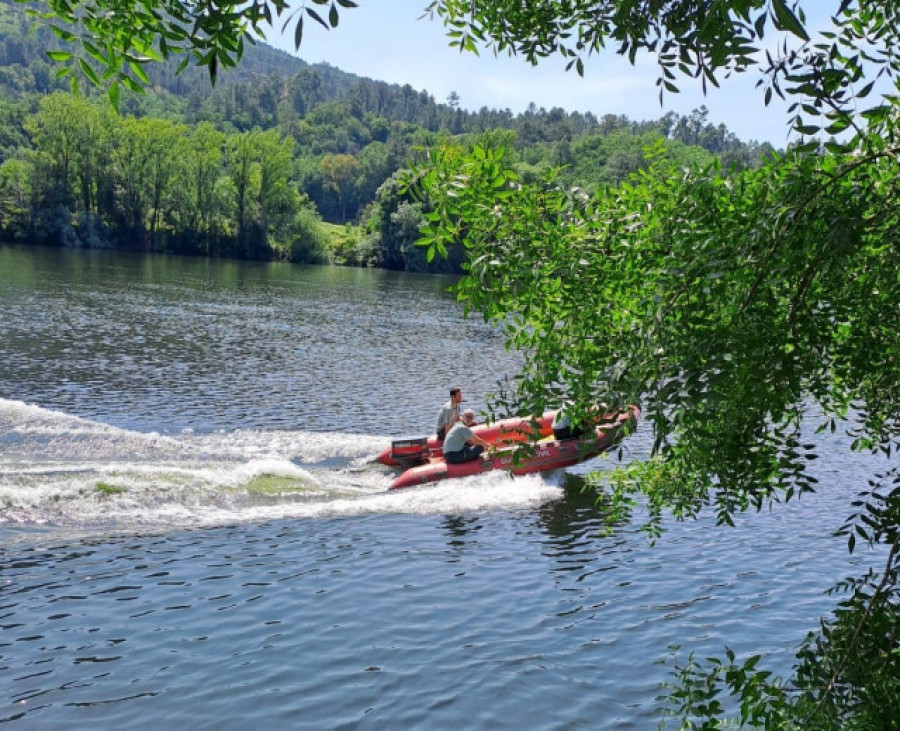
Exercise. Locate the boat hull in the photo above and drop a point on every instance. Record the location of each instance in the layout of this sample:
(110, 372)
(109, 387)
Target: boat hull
(506, 431)
(524, 459)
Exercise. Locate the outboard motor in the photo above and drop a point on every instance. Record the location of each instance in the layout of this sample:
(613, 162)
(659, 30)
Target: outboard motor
(410, 451)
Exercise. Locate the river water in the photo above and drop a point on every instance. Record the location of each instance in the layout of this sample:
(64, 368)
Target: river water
(192, 530)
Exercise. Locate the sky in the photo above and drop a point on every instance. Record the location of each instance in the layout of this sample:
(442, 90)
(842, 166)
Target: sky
(387, 40)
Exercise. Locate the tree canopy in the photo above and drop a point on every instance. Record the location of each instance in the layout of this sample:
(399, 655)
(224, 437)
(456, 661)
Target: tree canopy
(740, 309)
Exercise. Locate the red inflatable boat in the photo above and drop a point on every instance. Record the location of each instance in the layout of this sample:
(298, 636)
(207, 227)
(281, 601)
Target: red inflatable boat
(410, 451)
(522, 459)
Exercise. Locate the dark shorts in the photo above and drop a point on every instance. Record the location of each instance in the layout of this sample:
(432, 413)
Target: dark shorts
(441, 433)
(466, 454)
(567, 432)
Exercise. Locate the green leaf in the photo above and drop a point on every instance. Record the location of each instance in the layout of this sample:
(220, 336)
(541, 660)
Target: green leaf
(63, 34)
(113, 93)
(786, 20)
(139, 71)
(318, 18)
(298, 33)
(95, 53)
(131, 84)
(866, 90)
(58, 56)
(838, 126)
(88, 72)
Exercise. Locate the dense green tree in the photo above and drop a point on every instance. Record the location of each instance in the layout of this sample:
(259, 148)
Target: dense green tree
(374, 164)
(736, 302)
(164, 150)
(276, 198)
(14, 186)
(308, 240)
(241, 160)
(93, 178)
(67, 167)
(305, 90)
(198, 208)
(130, 158)
(12, 135)
(388, 244)
(379, 127)
(339, 174)
(54, 131)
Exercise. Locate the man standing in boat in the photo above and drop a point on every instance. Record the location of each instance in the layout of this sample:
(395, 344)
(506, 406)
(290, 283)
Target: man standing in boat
(461, 444)
(449, 413)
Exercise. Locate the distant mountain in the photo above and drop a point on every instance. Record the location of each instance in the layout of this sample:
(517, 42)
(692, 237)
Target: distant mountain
(345, 138)
(271, 86)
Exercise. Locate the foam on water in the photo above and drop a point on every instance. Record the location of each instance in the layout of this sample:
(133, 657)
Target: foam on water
(63, 471)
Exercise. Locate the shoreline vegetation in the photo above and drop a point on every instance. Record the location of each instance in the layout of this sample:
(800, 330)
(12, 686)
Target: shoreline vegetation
(281, 160)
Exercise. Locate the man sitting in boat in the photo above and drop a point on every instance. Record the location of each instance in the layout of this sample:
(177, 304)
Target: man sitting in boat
(562, 425)
(461, 443)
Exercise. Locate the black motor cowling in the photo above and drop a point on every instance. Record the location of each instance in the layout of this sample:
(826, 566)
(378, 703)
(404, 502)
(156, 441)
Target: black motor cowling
(410, 451)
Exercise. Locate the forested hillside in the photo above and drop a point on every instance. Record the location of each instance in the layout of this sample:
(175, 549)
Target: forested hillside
(257, 165)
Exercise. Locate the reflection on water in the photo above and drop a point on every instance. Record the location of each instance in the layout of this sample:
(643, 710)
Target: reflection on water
(460, 527)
